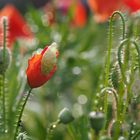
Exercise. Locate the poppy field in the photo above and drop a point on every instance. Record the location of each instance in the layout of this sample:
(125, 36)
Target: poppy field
(70, 70)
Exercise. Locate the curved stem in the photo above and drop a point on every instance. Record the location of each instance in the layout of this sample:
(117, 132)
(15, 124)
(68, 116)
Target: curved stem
(107, 65)
(128, 84)
(119, 54)
(138, 51)
(110, 42)
(21, 112)
(122, 19)
(107, 89)
(115, 104)
(119, 58)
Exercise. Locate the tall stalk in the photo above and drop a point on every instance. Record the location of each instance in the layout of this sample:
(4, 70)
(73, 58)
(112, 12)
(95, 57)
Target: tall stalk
(108, 59)
(21, 113)
(4, 23)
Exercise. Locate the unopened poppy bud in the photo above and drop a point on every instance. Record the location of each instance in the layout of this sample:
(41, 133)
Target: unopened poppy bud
(4, 63)
(105, 138)
(65, 116)
(41, 66)
(49, 59)
(115, 77)
(96, 120)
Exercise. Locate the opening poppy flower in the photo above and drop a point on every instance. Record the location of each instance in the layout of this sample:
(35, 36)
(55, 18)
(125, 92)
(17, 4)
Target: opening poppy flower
(41, 66)
(17, 27)
(133, 5)
(102, 9)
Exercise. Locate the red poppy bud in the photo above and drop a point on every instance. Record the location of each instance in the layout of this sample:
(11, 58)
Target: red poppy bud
(41, 66)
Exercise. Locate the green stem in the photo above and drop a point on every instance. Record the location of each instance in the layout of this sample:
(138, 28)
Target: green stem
(3, 102)
(3, 75)
(127, 84)
(107, 66)
(122, 70)
(119, 55)
(21, 112)
(112, 91)
(110, 42)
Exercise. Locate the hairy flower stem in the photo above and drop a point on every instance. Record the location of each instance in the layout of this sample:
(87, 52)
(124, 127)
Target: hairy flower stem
(4, 23)
(128, 85)
(21, 113)
(107, 65)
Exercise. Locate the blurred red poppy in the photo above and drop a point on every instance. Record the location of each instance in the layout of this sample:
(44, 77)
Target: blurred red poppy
(102, 9)
(79, 15)
(17, 27)
(133, 5)
(41, 66)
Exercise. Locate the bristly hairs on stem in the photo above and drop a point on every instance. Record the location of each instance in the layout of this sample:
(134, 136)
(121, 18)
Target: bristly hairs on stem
(107, 64)
(2, 75)
(122, 44)
(127, 83)
(21, 113)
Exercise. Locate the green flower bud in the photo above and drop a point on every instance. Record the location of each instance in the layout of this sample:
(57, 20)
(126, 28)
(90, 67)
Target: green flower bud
(97, 121)
(65, 116)
(104, 138)
(4, 64)
(116, 78)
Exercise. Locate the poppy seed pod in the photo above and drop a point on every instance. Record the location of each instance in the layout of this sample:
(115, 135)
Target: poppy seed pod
(65, 116)
(97, 121)
(41, 66)
(4, 64)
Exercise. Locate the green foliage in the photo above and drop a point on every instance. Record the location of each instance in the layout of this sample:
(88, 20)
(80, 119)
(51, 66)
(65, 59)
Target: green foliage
(81, 83)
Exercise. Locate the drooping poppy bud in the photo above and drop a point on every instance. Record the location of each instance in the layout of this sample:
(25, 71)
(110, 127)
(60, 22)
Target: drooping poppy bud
(41, 66)
(17, 26)
(65, 116)
(102, 9)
